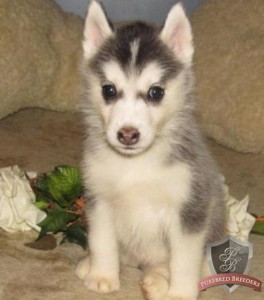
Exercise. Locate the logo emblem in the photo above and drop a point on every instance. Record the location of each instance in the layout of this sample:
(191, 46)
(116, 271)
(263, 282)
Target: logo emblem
(229, 256)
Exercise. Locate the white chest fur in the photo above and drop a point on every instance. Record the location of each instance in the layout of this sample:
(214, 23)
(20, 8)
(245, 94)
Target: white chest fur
(144, 195)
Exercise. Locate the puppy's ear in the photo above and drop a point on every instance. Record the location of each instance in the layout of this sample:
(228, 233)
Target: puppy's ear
(177, 34)
(96, 29)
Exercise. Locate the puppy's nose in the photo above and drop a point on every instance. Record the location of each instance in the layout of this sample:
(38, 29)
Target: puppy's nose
(128, 136)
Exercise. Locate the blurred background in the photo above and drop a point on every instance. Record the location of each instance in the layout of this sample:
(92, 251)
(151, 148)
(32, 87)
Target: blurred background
(153, 11)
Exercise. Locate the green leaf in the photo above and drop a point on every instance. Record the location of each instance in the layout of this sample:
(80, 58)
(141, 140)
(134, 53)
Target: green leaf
(76, 233)
(56, 192)
(64, 184)
(258, 227)
(42, 189)
(42, 204)
(56, 220)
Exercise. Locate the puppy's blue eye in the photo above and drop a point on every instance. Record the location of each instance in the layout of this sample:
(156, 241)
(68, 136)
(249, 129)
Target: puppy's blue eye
(109, 91)
(155, 94)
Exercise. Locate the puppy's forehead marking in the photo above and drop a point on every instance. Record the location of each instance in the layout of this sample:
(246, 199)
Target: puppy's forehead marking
(134, 46)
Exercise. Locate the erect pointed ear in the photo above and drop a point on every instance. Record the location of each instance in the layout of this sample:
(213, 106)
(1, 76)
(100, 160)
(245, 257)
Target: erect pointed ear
(96, 30)
(177, 34)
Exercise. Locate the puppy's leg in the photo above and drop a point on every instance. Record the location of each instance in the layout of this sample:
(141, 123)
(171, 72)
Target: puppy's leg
(155, 283)
(101, 270)
(185, 263)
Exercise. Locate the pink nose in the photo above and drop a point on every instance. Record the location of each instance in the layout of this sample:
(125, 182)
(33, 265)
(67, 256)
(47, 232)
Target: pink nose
(128, 136)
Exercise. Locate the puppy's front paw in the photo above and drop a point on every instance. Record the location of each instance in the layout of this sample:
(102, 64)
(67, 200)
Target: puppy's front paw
(101, 284)
(83, 268)
(96, 282)
(154, 286)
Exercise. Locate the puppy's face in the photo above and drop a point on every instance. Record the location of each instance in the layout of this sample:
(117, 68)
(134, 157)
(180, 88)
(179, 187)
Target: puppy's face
(135, 78)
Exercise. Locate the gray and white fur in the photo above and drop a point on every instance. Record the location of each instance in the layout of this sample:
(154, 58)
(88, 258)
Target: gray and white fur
(153, 191)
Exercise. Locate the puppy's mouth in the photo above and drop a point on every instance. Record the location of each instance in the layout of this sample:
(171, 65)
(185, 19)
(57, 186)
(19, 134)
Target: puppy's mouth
(129, 150)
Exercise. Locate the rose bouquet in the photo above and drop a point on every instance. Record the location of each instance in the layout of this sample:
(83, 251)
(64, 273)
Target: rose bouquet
(49, 203)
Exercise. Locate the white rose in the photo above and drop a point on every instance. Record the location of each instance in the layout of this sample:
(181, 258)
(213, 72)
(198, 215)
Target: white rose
(17, 209)
(239, 222)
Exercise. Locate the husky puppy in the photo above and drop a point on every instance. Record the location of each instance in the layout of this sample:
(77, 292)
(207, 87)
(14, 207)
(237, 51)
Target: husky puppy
(155, 197)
